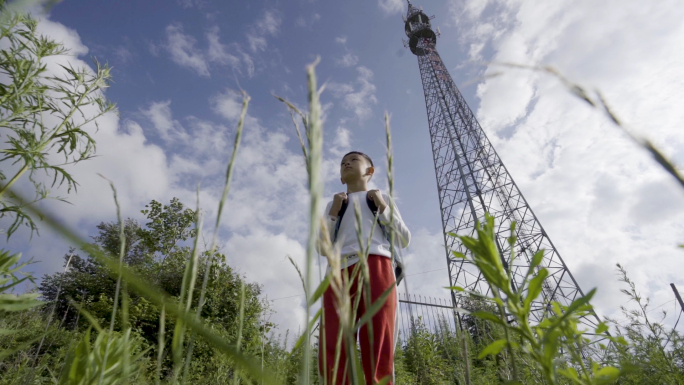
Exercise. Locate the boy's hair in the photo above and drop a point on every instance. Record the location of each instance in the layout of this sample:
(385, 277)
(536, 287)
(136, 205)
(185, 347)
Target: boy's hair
(363, 155)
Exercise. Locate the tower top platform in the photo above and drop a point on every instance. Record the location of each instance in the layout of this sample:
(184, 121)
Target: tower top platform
(417, 27)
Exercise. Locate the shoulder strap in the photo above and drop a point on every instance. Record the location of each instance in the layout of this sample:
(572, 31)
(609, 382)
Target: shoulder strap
(398, 266)
(374, 209)
(339, 220)
(371, 205)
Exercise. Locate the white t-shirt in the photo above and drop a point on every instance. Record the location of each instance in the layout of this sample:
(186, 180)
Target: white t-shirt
(347, 238)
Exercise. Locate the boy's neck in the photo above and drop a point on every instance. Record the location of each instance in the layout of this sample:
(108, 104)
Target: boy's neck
(357, 186)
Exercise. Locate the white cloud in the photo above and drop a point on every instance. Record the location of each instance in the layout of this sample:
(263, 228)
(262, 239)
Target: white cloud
(348, 60)
(159, 113)
(360, 100)
(183, 51)
(228, 105)
(267, 25)
(64, 35)
(343, 137)
(191, 3)
(342, 142)
(256, 231)
(256, 42)
(218, 52)
(123, 54)
(307, 22)
(268, 176)
(154, 49)
(601, 199)
(341, 40)
(425, 264)
(390, 7)
(265, 254)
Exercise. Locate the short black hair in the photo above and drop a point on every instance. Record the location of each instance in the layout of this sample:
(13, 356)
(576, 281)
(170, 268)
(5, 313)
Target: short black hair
(362, 154)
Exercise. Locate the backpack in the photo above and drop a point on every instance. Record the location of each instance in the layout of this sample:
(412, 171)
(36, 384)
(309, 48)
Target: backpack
(398, 266)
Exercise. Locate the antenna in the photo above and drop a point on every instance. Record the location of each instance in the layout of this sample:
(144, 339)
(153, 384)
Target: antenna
(438, 33)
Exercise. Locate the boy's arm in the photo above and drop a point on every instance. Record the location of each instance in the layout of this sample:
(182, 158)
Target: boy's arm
(330, 224)
(402, 235)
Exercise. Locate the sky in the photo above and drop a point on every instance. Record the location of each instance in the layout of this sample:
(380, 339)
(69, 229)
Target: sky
(178, 67)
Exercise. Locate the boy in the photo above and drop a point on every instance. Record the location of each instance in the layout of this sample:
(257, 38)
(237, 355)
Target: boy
(377, 356)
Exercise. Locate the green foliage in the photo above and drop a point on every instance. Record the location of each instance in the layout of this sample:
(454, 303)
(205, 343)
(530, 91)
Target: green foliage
(90, 283)
(9, 268)
(42, 114)
(84, 365)
(9, 302)
(24, 365)
(554, 347)
(655, 354)
(426, 357)
(168, 226)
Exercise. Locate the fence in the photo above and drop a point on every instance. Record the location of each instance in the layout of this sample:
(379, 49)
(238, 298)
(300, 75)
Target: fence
(434, 314)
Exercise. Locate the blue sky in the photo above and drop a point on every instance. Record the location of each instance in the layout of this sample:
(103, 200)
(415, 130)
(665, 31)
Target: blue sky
(178, 66)
(135, 38)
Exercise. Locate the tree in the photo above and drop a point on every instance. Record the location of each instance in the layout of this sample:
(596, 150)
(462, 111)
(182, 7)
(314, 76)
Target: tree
(157, 252)
(42, 114)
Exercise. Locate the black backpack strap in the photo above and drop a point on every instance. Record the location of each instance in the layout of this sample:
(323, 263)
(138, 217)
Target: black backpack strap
(398, 265)
(374, 209)
(339, 220)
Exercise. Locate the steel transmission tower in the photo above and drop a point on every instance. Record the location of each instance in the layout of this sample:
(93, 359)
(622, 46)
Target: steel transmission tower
(472, 180)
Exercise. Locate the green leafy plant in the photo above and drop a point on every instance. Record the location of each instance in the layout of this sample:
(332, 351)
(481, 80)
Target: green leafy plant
(655, 353)
(9, 302)
(101, 361)
(544, 342)
(9, 269)
(43, 115)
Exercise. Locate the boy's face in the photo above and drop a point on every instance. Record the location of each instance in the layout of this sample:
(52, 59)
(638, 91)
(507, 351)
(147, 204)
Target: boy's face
(354, 167)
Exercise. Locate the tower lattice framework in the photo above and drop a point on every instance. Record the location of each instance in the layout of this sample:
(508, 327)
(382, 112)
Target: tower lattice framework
(472, 180)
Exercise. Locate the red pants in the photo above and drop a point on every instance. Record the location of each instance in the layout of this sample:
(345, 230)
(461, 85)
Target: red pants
(381, 348)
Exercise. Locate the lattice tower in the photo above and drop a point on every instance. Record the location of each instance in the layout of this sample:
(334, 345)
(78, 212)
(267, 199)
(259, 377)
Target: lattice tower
(472, 180)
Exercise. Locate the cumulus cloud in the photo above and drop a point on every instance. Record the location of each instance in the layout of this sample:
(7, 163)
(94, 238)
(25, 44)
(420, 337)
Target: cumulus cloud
(342, 142)
(390, 7)
(227, 104)
(191, 3)
(183, 50)
(307, 22)
(267, 25)
(601, 199)
(159, 113)
(348, 60)
(123, 54)
(358, 100)
(218, 52)
(268, 176)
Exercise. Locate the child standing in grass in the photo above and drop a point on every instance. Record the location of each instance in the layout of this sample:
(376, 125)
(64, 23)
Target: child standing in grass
(377, 351)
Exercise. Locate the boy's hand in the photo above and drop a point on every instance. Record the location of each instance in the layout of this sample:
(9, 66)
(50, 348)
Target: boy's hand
(338, 199)
(377, 198)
